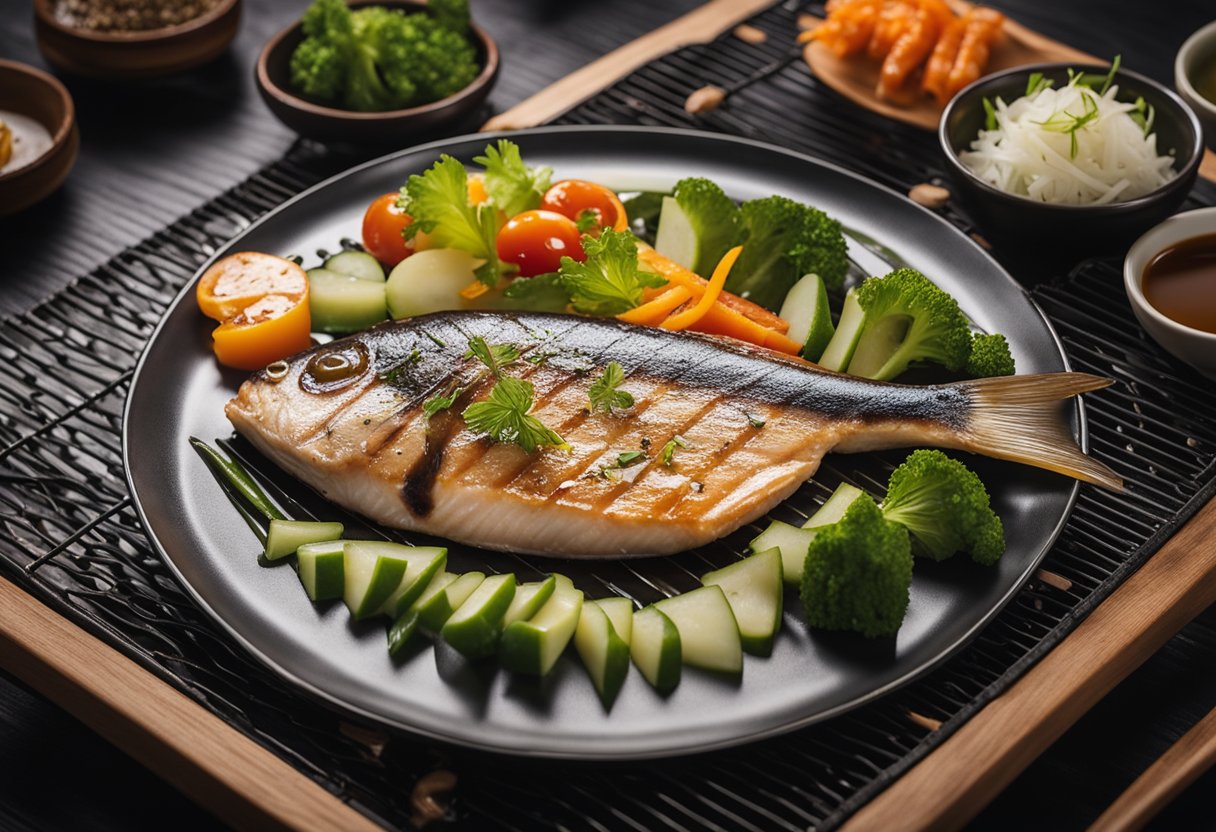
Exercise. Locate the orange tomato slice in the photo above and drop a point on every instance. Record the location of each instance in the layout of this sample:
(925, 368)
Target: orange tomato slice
(272, 327)
(235, 282)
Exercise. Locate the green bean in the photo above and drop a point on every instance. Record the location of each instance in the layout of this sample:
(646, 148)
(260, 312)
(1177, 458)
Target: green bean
(238, 478)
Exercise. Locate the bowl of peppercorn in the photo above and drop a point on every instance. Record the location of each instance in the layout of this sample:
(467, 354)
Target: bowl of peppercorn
(130, 39)
(377, 72)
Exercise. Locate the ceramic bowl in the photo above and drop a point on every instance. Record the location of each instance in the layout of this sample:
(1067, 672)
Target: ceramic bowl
(1198, 54)
(34, 93)
(1073, 230)
(1194, 346)
(133, 55)
(333, 124)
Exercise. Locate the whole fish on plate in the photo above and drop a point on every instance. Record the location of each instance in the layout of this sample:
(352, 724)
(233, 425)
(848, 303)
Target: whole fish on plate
(719, 432)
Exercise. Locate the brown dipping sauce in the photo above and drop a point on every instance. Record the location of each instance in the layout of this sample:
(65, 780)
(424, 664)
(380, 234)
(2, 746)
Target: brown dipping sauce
(1180, 282)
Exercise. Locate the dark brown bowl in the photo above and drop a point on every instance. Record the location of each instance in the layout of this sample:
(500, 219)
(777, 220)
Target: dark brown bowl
(38, 95)
(333, 124)
(132, 55)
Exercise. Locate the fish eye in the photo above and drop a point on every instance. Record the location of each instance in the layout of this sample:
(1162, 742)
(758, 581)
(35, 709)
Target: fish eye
(334, 367)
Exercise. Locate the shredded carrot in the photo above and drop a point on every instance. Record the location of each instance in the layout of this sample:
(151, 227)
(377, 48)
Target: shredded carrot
(688, 317)
(652, 261)
(654, 311)
(474, 290)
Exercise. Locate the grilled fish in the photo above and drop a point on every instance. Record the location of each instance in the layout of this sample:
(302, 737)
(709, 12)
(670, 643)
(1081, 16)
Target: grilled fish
(347, 418)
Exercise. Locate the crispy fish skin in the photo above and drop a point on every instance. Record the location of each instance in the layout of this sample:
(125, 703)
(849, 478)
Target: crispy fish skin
(347, 418)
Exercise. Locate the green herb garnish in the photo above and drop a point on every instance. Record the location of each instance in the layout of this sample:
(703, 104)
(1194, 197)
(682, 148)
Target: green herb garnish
(755, 421)
(1036, 83)
(669, 449)
(989, 114)
(608, 281)
(1066, 122)
(494, 356)
(504, 417)
(587, 220)
(604, 394)
(440, 402)
(511, 185)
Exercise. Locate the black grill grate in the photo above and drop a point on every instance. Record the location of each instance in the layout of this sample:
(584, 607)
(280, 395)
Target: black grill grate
(64, 503)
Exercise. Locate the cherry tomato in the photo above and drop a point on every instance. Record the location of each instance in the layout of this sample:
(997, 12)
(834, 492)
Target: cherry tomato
(382, 227)
(272, 327)
(536, 241)
(571, 197)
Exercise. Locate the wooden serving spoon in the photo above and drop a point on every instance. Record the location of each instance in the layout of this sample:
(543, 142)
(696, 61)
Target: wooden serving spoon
(856, 78)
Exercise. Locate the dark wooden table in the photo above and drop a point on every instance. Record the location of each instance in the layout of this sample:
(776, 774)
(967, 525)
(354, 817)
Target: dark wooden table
(154, 150)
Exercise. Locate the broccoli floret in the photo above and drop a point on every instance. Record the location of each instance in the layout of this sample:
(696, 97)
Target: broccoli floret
(989, 357)
(858, 572)
(714, 218)
(376, 59)
(785, 240)
(944, 506)
(897, 320)
(451, 14)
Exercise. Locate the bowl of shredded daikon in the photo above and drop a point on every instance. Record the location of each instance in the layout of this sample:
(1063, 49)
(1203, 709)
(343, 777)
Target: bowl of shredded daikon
(1082, 158)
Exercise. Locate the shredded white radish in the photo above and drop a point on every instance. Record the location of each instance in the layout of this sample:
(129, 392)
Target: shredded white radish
(1069, 146)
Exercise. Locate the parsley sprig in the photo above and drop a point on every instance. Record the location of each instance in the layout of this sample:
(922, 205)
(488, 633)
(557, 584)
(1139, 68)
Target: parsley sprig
(441, 401)
(494, 356)
(669, 450)
(504, 417)
(603, 393)
(513, 186)
(608, 282)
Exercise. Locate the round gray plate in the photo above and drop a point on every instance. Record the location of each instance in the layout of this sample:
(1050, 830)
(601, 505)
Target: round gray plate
(179, 391)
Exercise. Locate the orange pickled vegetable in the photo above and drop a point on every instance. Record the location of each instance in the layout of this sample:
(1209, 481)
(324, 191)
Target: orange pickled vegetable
(236, 281)
(654, 311)
(651, 261)
(894, 19)
(983, 26)
(709, 297)
(941, 61)
(910, 49)
(272, 327)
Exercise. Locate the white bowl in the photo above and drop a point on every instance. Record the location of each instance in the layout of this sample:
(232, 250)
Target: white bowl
(1199, 47)
(1194, 346)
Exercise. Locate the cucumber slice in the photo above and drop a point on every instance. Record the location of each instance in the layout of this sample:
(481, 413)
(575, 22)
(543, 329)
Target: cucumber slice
(534, 646)
(425, 563)
(528, 600)
(439, 607)
(320, 567)
(358, 264)
(676, 238)
(476, 626)
(879, 343)
(341, 303)
(438, 584)
(806, 309)
(402, 630)
(375, 571)
(604, 653)
(285, 536)
(620, 613)
(753, 589)
(709, 635)
(839, 351)
(832, 511)
(430, 281)
(793, 543)
(655, 648)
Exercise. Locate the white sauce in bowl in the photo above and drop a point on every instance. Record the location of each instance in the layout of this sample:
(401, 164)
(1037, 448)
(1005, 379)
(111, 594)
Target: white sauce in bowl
(30, 140)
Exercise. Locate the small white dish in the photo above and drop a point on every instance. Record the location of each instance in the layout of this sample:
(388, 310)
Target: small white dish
(1194, 346)
(1199, 49)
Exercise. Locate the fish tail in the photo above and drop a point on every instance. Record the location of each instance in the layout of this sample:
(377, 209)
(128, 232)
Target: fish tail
(1018, 418)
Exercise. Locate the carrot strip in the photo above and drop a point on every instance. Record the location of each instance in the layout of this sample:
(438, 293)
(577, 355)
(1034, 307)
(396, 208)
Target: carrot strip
(722, 320)
(653, 312)
(652, 261)
(688, 317)
(474, 290)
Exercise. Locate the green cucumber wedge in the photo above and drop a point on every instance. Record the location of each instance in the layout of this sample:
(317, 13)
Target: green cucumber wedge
(476, 626)
(425, 562)
(840, 349)
(285, 536)
(810, 318)
(654, 647)
(534, 646)
(439, 607)
(709, 635)
(402, 630)
(676, 239)
(375, 571)
(528, 600)
(320, 567)
(753, 589)
(793, 543)
(340, 303)
(604, 653)
(833, 509)
(358, 264)
(620, 613)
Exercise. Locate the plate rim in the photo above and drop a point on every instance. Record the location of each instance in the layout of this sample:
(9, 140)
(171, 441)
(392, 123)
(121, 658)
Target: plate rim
(591, 754)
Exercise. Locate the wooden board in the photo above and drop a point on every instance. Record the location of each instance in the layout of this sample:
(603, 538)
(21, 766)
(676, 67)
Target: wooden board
(241, 782)
(956, 781)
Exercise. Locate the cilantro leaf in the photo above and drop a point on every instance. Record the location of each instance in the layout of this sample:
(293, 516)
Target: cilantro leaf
(438, 201)
(440, 402)
(513, 186)
(669, 449)
(494, 356)
(604, 394)
(542, 293)
(623, 460)
(504, 417)
(587, 221)
(608, 281)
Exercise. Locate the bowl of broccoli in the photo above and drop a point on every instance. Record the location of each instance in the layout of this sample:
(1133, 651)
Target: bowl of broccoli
(378, 71)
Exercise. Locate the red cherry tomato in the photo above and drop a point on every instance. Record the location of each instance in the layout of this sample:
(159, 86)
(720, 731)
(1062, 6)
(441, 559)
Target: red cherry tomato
(571, 197)
(536, 241)
(382, 227)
